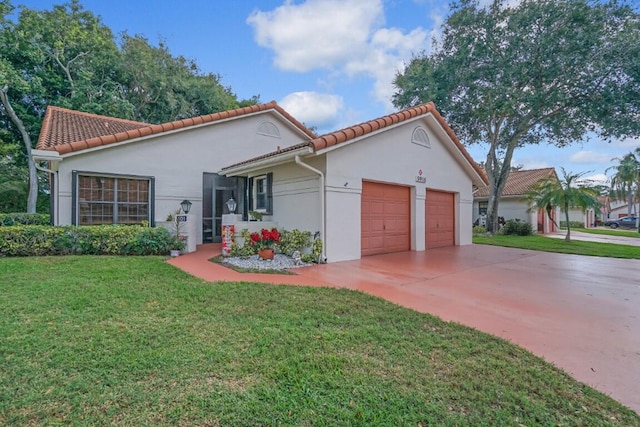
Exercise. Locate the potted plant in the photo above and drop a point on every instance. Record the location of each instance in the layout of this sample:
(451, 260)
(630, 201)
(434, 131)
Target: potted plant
(177, 245)
(264, 241)
(179, 241)
(255, 215)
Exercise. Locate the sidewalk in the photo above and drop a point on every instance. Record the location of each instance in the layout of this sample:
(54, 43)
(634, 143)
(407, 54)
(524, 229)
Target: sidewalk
(602, 238)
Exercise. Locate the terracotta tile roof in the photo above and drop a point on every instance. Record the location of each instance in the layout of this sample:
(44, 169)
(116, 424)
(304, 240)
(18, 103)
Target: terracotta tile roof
(519, 182)
(361, 129)
(68, 131)
(62, 126)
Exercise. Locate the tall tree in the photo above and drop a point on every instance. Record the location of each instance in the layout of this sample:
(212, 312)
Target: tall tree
(625, 184)
(566, 193)
(544, 71)
(59, 57)
(67, 57)
(163, 87)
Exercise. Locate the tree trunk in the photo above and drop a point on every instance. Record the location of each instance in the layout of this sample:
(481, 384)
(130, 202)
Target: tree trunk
(566, 213)
(26, 139)
(497, 173)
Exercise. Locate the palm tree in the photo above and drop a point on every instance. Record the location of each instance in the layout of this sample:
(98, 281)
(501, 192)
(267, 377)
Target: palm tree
(625, 184)
(550, 192)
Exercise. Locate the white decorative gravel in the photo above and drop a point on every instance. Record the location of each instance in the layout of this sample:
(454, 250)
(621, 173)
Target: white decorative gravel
(279, 262)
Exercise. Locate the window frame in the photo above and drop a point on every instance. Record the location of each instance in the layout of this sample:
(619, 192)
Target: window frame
(75, 208)
(268, 193)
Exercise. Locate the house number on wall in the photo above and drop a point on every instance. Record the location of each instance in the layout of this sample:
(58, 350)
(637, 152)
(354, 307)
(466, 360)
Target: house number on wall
(420, 178)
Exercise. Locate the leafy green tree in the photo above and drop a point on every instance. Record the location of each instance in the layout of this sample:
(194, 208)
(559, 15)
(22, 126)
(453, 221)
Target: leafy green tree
(625, 184)
(543, 71)
(67, 57)
(567, 193)
(164, 88)
(59, 57)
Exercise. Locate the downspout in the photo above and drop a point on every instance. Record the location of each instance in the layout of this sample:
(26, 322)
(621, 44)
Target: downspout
(322, 204)
(54, 193)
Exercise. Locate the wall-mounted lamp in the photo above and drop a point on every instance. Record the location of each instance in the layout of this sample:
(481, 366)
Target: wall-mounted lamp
(186, 206)
(232, 205)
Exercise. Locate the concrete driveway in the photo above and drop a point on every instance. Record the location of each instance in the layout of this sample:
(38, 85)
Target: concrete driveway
(580, 313)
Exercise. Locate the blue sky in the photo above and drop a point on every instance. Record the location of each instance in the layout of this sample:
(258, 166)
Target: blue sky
(329, 63)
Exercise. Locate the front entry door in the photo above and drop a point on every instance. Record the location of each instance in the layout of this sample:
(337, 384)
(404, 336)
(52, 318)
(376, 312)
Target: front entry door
(217, 190)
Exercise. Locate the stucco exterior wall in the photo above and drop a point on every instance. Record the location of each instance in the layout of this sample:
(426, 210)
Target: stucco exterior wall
(516, 209)
(296, 196)
(391, 157)
(177, 160)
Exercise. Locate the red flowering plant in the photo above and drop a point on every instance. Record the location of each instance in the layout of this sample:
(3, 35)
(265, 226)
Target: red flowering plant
(265, 238)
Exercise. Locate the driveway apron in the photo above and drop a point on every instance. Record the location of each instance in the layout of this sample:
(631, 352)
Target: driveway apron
(579, 313)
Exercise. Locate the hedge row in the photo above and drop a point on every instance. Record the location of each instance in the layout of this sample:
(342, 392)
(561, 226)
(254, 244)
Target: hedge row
(39, 240)
(24, 219)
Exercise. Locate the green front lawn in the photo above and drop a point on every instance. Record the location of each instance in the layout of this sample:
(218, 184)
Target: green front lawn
(549, 244)
(133, 341)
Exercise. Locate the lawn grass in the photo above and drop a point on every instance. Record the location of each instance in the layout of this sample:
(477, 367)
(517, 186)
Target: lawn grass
(550, 244)
(134, 341)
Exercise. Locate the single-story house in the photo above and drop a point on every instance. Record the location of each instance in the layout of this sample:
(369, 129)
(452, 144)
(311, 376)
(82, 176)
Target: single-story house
(514, 205)
(397, 183)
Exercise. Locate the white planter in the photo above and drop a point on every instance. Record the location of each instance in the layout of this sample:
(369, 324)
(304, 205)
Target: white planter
(175, 252)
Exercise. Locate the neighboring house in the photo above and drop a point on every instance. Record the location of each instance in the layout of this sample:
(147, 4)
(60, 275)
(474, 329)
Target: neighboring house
(620, 209)
(398, 183)
(513, 204)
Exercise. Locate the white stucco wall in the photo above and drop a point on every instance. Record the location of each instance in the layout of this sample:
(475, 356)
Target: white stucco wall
(296, 196)
(516, 209)
(177, 160)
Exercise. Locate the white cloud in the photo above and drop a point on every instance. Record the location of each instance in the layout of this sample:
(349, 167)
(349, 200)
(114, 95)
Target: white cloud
(585, 156)
(314, 109)
(530, 163)
(343, 36)
(596, 179)
(630, 143)
(316, 33)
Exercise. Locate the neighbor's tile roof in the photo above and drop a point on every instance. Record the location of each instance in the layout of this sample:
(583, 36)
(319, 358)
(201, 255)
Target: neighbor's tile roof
(519, 182)
(68, 131)
(361, 129)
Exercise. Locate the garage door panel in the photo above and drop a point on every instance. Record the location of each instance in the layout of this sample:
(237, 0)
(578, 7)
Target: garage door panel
(439, 219)
(385, 218)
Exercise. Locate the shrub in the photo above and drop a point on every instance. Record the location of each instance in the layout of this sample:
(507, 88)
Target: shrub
(479, 230)
(39, 240)
(294, 240)
(573, 224)
(290, 241)
(245, 250)
(515, 227)
(20, 218)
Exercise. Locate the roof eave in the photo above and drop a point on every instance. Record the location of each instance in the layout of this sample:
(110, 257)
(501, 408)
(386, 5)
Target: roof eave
(277, 159)
(45, 156)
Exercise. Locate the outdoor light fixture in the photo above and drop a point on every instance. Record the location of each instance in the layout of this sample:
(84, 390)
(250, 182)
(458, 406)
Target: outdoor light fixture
(186, 206)
(231, 205)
